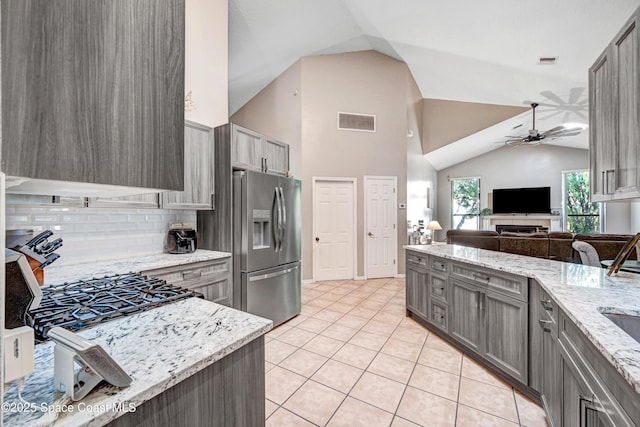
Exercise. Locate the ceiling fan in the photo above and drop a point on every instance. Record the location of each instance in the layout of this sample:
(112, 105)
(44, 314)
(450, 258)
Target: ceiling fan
(535, 137)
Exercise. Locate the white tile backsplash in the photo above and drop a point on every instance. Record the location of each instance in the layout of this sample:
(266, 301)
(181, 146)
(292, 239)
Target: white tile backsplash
(92, 234)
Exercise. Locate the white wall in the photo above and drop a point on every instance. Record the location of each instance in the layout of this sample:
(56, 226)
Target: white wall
(531, 166)
(206, 60)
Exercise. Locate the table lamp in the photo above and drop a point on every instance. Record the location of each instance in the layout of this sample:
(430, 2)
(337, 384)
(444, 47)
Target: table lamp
(433, 226)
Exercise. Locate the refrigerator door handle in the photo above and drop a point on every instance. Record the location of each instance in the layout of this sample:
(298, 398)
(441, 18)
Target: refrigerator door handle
(275, 221)
(272, 275)
(284, 217)
(279, 202)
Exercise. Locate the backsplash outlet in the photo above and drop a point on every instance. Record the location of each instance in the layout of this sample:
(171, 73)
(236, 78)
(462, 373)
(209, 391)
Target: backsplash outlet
(97, 234)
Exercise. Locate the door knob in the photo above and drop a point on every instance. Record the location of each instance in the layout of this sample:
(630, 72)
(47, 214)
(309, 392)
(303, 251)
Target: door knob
(317, 239)
(370, 234)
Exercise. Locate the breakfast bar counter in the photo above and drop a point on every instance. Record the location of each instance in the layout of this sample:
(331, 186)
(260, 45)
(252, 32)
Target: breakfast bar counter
(582, 292)
(160, 349)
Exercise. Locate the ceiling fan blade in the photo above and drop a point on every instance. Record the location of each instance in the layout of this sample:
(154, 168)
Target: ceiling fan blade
(553, 97)
(574, 94)
(557, 129)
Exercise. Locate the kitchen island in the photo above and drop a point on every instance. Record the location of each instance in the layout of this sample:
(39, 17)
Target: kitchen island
(193, 362)
(538, 322)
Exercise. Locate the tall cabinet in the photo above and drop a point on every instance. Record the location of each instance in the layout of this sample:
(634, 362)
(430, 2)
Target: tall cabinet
(93, 92)
(614, 117)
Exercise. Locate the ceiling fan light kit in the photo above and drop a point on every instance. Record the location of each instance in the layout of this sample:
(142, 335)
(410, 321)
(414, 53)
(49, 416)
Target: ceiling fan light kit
(535, 137)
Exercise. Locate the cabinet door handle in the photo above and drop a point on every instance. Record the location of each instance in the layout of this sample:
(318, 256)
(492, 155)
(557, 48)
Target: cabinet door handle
(546, 304)
(480, 277)
(544, 324)
(604, 186)
(266, 164)
(191, 274)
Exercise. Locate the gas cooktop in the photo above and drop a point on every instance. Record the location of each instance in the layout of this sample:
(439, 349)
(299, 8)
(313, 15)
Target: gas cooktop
(78, 305)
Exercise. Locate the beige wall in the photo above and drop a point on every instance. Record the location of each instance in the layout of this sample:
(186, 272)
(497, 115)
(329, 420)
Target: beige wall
(447, 121)
(362, 82)
(422, 178)
(206, 64)
(300, 108)
(276, 112)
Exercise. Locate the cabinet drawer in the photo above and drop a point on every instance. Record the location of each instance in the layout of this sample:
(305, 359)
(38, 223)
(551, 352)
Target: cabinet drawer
(196, 276)
(417, 259)
(550, 309)
(505, 283)
(438, 264)
(438, 315)
(438, 287)
(216, 291)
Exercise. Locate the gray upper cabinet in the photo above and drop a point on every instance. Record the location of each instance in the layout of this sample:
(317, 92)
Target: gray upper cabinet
(93, 92)
(150, 201)
(253, 151)
(246, 149)
(199, 160)
(614, 119)
(276, 157)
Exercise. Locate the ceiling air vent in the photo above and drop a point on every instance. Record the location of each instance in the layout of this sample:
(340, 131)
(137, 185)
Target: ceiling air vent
(547, 60)
(357, 122)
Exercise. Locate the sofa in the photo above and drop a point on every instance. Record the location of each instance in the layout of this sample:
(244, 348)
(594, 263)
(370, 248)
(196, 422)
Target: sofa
(554, 245)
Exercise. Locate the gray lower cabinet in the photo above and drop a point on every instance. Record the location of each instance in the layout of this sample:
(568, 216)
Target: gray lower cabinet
(464, 314)
(93, 92)
(210, 278)
(515, 328)
(491, 324)
(505, 333)
(577, 386)
(417, 290)
(199, 160)
(475, 307)
(231, 392)
(551, 369)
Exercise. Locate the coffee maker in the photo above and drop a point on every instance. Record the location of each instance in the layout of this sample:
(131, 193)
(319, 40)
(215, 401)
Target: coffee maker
(181, 238)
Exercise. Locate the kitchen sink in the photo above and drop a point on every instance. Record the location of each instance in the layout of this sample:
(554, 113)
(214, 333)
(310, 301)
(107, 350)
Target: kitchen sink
(627, 322)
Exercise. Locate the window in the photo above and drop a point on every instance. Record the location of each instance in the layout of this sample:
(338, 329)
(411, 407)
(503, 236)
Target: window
(465, 203)
(580, 215)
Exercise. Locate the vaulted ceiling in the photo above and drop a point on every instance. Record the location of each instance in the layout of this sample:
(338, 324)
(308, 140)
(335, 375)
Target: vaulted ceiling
(468, 50)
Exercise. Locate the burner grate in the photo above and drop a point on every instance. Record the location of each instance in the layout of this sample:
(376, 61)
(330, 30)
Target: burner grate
(78, 305)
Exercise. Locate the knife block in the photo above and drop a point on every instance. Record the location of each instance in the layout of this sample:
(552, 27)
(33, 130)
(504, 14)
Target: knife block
(37, 271)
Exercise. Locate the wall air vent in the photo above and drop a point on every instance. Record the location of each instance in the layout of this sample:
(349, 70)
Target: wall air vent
(357, 122)
(547, 60)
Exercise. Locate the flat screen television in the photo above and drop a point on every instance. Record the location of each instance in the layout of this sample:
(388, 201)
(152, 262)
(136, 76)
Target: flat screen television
(522, 200)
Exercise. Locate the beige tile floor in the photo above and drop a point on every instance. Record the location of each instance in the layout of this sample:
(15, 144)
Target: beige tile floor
(352, 358)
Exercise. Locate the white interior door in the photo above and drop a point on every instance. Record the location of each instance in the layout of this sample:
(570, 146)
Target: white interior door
(334, 227)
(381, 237)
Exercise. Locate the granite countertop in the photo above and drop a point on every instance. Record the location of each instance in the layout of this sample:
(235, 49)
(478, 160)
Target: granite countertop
(157, 348)
(581, 291)
(55, 274)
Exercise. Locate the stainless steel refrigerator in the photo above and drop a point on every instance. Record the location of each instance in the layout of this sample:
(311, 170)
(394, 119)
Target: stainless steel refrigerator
(267, 244)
